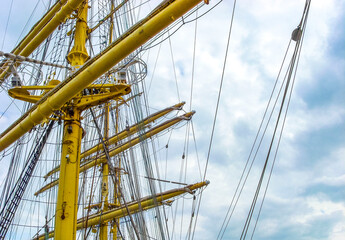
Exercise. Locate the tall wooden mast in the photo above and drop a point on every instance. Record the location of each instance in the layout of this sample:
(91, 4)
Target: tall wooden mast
(66, 206)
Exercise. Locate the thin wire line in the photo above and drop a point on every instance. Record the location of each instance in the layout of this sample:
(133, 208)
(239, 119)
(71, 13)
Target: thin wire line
(174, 68)
(287, 108)
(193, 64)
(8, 19)
(32, 14)
(250, 214)
(217, 106)
(251, 151)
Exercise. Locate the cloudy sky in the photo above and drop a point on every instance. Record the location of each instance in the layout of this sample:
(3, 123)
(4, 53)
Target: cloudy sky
(306, 196)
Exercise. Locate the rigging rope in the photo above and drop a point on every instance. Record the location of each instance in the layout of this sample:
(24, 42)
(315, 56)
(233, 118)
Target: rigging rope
(290, 71)
(13, 200)
(217, 106)
(298, 52)
(174, 69)
(27, 22)
(113, 174)
(8, 19)
(21, 58)
(231, 206)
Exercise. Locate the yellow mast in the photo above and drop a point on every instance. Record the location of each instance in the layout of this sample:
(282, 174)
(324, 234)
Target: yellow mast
(66, 207)
(103, 232)
(67, 199)
(116, 221)
(118, 176)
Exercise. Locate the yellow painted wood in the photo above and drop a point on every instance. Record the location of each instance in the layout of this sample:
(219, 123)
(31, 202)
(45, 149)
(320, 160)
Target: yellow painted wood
(66, 206)
(103, 230)
(67, 199)
(117, 196)
(106, 91)
(78, 54)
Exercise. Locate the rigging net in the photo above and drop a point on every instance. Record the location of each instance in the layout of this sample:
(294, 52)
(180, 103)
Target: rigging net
(135, 167)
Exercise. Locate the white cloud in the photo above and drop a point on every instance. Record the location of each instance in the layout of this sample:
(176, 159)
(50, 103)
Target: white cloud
(338, 232)
(318, 207)
(305, 120)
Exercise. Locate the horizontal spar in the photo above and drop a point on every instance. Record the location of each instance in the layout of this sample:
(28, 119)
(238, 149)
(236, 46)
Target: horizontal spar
(123, 134)
(133, 207)
(123, 147)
